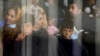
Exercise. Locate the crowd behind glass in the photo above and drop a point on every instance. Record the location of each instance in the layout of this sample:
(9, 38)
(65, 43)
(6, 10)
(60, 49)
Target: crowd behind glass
(48, 27)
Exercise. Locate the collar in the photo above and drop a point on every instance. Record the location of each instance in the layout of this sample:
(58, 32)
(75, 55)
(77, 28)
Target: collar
(12, 25)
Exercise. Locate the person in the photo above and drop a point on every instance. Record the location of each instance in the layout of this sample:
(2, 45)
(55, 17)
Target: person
(41, 34)
(34, 42)
(83, 21)
(10, 30)
(41, 21)
(36, 10)
(51, 8)
(76, 32)
(76, 13)
(32, 8)
(2, 22)
(52, 29)
(24, 36)
(67, 46)
(1, 47)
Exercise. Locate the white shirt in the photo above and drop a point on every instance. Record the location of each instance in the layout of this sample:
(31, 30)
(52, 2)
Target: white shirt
(12, 26)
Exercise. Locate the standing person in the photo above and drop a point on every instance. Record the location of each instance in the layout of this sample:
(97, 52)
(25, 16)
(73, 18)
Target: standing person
(10, 31)
(76, 32)
(67, 46)
(51, 9)
(36, 10)
(31, 41)
(1, 47)
(52, 29)
(32, 8)
(23, 40)
(41, 21)
(41, 33)
(83, 21)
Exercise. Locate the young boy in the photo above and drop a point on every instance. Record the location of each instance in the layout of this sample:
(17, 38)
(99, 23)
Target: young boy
(67, 46)
(24, 38)
(34, 43)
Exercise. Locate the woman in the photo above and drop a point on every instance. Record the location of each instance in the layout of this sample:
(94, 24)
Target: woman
(10, 31)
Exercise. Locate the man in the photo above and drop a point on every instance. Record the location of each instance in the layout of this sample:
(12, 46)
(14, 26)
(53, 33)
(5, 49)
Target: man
(32, 8)
(36, 10)
(76, 13)
(83, 21)
(73, 13)
(66, 45)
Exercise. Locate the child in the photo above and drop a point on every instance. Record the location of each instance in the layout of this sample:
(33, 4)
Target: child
(24, 37)
(67, 46)
(52, 30)
(33, 42)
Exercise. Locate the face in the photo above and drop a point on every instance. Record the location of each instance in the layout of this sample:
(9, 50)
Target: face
(27, 28)
(40, 21)
(67, 33)
(10, 16)
(73, 9)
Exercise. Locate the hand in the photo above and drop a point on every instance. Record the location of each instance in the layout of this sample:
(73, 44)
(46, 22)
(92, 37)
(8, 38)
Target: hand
(20, 37)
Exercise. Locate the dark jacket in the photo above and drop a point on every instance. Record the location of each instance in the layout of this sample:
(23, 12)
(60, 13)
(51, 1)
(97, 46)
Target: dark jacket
(40, 43)
(35, 44)
(69, 47)
(9, 35)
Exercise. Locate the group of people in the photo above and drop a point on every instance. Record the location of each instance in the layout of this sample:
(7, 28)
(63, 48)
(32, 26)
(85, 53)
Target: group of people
(33, 31)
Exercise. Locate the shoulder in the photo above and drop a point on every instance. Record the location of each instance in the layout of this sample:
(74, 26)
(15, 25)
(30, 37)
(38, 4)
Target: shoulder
(43, 31)
(60, 39)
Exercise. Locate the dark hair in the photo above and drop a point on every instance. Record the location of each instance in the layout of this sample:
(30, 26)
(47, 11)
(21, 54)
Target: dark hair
(28, 18)
(15, 8)
(67, 24)
(76, 3)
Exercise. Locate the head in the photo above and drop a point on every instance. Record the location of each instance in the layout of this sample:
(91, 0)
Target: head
(50, 21)
(40, 20)
(74, 9)
(35, 2)
(27, 24)
(10, 15)
(67, 29)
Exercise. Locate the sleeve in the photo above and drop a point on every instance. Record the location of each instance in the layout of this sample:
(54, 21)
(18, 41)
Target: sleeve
(84, 51)
(43, 42)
